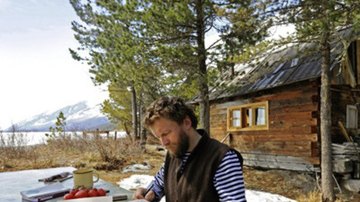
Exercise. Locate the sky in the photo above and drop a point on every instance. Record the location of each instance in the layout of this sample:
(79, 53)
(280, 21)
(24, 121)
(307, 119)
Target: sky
(37, 72)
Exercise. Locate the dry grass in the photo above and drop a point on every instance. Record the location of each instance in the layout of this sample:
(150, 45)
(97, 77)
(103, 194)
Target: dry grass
(108, 157)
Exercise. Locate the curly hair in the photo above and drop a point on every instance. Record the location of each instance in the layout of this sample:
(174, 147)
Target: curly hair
(172, 108)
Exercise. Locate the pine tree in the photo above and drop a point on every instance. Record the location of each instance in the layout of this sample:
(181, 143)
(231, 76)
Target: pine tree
(113, 49)
(59, 128)
(158, 47)
(118, 108)
(177, 30)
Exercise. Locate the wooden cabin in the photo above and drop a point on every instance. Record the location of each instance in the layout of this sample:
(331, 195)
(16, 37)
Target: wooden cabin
(271, 112)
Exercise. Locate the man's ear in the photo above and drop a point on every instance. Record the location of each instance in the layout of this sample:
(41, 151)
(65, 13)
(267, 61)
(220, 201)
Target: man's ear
(187, 123)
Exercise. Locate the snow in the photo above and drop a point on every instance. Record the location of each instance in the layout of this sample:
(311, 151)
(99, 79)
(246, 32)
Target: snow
(44, 121)
(260, 196)
(144, 167)
(135, 181)
(89, 112)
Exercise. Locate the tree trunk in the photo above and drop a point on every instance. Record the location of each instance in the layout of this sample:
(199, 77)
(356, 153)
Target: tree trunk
(201, 51)
(327, 183)
(142, 130)
(134, 112)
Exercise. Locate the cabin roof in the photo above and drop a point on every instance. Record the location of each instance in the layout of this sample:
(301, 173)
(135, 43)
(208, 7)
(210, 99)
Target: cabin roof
(284, 66)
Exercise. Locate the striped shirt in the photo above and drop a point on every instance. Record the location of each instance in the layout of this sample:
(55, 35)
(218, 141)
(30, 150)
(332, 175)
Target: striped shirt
(228, 179)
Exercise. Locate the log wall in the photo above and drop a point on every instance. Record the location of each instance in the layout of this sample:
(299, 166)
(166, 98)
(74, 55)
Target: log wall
(291, 142)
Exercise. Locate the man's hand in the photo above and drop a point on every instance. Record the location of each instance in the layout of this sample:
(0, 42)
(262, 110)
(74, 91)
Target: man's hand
(140, 194)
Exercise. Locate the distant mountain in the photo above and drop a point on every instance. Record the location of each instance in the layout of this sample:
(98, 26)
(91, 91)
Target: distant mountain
(79, 117)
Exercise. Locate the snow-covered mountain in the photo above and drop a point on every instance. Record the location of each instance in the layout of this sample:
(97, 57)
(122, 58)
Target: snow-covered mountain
(79, 117)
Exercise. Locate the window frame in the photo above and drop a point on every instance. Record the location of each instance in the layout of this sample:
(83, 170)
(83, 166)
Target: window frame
(242, 108)
(349, 109)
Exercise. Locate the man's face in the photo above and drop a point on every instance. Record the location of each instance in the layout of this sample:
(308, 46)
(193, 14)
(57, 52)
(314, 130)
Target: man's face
(172, 135)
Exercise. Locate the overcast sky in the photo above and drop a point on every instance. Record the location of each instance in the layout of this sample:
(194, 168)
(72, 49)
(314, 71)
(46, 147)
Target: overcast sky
(37, 73)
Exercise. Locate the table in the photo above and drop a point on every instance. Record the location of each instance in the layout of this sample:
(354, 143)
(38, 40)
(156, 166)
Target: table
(12, 183)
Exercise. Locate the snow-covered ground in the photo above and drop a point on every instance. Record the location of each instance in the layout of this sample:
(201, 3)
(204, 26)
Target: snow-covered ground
(135, 181)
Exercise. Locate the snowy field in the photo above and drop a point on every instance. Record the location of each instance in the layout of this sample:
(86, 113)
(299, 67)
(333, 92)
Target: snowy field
(135, 181)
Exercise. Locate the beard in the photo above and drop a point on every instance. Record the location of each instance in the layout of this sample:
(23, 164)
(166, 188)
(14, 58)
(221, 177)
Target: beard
(183, 146)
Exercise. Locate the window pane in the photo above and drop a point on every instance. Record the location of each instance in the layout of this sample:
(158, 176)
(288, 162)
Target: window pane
(236, 118)
(236, 122)
(351, 116)
(260, 116)
(236, 114)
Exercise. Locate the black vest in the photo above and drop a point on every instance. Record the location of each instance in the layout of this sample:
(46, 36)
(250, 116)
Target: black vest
(195, 183)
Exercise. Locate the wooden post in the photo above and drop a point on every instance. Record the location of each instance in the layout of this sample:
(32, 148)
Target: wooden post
(343, 131)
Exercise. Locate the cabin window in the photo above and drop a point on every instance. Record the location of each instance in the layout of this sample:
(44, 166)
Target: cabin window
(351, 116)
(248, 117)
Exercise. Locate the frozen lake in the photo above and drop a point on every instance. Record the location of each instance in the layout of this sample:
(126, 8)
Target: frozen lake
(34, 138)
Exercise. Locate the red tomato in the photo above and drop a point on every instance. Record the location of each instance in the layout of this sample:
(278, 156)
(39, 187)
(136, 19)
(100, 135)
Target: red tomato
(101, 192)
(93, 193)
(73, 191)
(81, 194)
(69, 196)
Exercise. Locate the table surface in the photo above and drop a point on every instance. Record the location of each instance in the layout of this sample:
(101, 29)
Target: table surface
(12, 183)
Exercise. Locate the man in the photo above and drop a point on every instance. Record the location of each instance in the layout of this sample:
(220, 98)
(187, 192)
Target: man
(197, 168)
